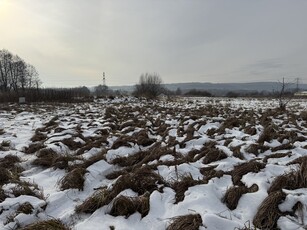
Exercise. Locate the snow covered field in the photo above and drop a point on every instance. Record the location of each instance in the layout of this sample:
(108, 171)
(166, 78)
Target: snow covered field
(200, 163)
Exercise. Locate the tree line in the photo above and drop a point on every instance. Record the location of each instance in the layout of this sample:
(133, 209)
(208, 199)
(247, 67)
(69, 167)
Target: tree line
(16, 74)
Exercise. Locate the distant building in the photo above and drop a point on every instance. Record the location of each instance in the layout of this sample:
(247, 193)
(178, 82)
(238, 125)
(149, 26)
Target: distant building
(301, 94)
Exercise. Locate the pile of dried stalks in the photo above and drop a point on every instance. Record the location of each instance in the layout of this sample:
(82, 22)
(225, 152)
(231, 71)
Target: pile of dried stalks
(73, 179)
(268, 212)
(182, 185)
(53, 224)
(188, 222)
(240, 170)
(233, 195)
(126, 206)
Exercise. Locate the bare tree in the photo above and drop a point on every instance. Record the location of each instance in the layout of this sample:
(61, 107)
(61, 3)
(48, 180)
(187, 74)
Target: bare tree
(16, 74)
(5, 64)
(150, 86)
(284, 96)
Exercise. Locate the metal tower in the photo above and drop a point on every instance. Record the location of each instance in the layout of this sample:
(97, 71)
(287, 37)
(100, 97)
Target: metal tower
(104, 79)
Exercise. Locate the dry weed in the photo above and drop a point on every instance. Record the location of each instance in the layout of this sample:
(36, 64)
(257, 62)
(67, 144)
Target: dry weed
(233, 195)
(38, 136)
(71, 144)
(240, 170)
(25, 208)
(100, 198)
(214, 154)
(236, 152)
(268, 212)
(34, 147)
(182, 185)
(6, 175)
(187, 222)
(27, 188)
(275, 155)
(269, 133)
(141, 180)
(73, 179)
(126, 206)
(53, 224)
(45, 158)
(210, 172)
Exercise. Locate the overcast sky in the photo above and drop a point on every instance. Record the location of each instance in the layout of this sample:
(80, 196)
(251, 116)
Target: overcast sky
(72, 42)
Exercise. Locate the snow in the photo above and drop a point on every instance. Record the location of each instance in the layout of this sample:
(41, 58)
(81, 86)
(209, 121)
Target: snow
(20, 123)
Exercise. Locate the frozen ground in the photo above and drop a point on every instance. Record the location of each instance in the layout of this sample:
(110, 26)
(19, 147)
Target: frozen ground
(128, 164)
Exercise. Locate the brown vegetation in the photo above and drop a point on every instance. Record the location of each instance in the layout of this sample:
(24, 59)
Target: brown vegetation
(73, 179)
(244, 168)
(268, 212)
(126, 206)
(53, 224)
(182, 185)
(188, 222)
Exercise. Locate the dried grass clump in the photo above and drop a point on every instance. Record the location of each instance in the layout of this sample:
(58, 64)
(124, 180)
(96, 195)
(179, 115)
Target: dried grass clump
(195, 155)
(303, 115)
(182, 185)
(143, 157)
(62, 161)
(111, 112)
(38, 136)
(283, 147)
(233, 195)
(256, 148)
(73, 179)
(191, 155)
(2, 131)
(250, 130)
(95, 158)
(162, 130)
(27, 188)
(34, 147)
(9, 160)
(142, 138)
(5, 175)
(275, 155)
(126, 206)
(292, 180)
(2, 195)
(71, 144)
(236, 152)
(123, 141)
(141, 180)
(5, 145)
(187, 222)
(285, 181)
(214, 154)
(25, 208)
(211, 132)
(130, 160)
(52, 122)
(230, 123)
(240, 170)
(100, 198)
(269, 133)
(298, 160)
(115, 174)
(45, 158)
(268, 212)
(53, 224)
(93, 143)
(210, 172)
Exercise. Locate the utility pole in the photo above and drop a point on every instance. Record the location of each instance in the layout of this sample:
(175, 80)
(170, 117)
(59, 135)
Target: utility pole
(104, 79)
(297, 82)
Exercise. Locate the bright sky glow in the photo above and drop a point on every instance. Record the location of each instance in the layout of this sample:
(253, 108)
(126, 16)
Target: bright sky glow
(72, 42)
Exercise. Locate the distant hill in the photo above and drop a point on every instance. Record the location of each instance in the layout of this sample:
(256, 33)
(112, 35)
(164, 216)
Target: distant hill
(223, 88)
